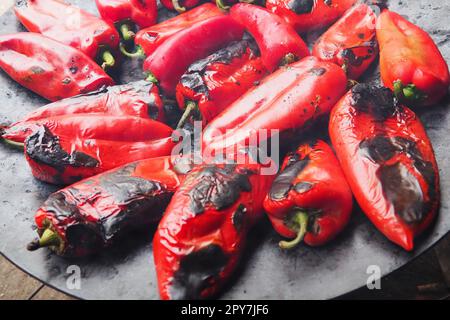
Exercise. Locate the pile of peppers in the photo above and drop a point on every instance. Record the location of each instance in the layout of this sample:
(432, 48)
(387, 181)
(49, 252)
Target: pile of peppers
(238, 68)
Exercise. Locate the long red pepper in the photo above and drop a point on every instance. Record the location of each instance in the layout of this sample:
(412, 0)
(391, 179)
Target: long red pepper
(171, 59)
(410, 62)
(310, 199)
(287, 101)
(211, 84)
(388, 161)
(306, 15)
(72, 26)
(49, 68)
(127, 14)
(90, 215)
(351, 41)
(278, 41)
(202, 235)
(179, 5)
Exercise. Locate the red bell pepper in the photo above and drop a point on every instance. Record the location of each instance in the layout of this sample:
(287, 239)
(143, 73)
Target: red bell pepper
(310, 199)
(410, 62)
(180, 5)
(351, 41)
(72, 26)
(171, 59)
(49, 68)
(213, 83)
(278, 41)
(201, 237)
(307, 15)
(287, 100)
(127, 14)
(90, 215)
(388, 161)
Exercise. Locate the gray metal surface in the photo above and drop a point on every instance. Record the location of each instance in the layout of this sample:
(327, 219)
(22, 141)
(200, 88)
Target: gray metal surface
(126, 271)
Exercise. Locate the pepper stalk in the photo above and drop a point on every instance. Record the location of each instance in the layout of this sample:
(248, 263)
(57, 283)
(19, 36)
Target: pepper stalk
(299, 223)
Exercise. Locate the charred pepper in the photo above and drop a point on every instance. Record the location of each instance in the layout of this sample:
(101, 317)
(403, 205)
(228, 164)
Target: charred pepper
(211, 84)
(410, 62)
(49, 68)
(309, 199)
(388, 161)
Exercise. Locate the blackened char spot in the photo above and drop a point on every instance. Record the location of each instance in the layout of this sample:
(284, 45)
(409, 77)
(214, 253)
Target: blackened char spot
(283, 182)
(379, 148)
(303, 187)
(43, 147)
(356, 59)
(59, 207)
(318, 71)
(220, 187)
(238, 217)
(197, 271)
(377, 101)
(301, 6)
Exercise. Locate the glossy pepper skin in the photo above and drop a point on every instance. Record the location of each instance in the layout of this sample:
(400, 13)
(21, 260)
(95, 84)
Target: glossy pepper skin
(72, 26)
(307, 15)
(138, 99)
(310, 199)
(49, 68)
(180, 5)
(171, 59)
(278, 42)
(351, 41)
(211, 84)
(65, 159)
(410, 62)
(200, 239)
(92, 214)
(288, 100)
(148, 39)
(388, 161)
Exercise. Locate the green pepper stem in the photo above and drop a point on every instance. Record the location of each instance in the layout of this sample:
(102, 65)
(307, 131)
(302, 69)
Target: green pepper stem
(138, 53)
(151, 77)
(177, 6)
(221, 5)
(14, 144)
(191, 106)
(408, 92)
(300, 220)
(47, 239)
(108, 60)
(288, 59)
(126, 33)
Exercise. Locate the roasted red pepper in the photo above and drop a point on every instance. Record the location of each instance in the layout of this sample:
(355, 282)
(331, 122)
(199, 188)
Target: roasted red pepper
(179, 5)
(49, 68)
(213, 83)
(351, 41)
(310, 199)
(88, 216)
(410, 62)
(278, 41)
(201, 237)
(72, 26)
(388, 161)
(127, 14)
(147, 40)
(288, 100)
(306, 15)
(65, 159)
(171, 59)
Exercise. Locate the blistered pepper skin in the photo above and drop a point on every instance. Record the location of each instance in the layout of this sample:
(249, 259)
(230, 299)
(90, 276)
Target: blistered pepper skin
(49, 68)
(310, 183)
(410, 62)
(351, 41)
(388, 161)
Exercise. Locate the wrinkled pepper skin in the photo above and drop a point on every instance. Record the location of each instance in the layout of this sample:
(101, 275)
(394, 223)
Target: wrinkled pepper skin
(310, 199)
(172, 58)
(410, 62)
(351, 41)
(90, 215)
(307, 15)
(179, 5)
(278, 42)
(148, 39)
(288, 100)
(201, 237)
(388, 161)
(49, 68)
(138, 99)
(63, 160)
(213, 83)
(70, 25)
